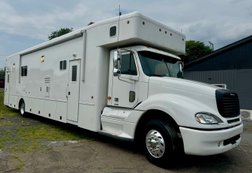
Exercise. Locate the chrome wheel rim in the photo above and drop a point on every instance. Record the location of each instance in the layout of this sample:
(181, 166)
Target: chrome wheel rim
(155, 143)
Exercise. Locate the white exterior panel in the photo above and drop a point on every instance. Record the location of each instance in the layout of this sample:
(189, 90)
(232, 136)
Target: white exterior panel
(200, 142)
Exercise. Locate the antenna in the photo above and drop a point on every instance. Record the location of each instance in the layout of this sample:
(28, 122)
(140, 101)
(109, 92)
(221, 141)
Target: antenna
(120, 13)
(118, 25)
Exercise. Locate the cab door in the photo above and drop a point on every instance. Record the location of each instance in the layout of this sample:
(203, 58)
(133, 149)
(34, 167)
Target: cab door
(125, 82)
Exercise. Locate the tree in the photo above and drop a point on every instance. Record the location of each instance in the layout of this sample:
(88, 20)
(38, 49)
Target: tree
(195, 50)
(59, 32)
(2, 73)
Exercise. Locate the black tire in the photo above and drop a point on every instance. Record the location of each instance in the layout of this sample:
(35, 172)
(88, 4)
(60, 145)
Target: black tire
(22, 108)
(160, 142)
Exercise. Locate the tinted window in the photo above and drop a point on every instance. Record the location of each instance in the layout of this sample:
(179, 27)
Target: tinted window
(112, 31)
(128, 65)
(74, 73)
(63, 65)
(154, 64)
(24, 70)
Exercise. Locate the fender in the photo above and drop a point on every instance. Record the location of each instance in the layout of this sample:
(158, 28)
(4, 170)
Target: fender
(182, 109)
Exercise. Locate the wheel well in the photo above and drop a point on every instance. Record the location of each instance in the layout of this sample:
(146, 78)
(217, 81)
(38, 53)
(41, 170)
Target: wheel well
(154, 114)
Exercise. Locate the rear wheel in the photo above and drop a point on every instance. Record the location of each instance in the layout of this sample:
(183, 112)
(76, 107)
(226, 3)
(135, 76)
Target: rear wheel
(22, 108)
(160, 142)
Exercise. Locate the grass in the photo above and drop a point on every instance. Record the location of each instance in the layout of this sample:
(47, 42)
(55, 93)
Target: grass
(21, 162)
(30, 138)
(27, 139)
(5, 123)
(4, 110)
(19, 134)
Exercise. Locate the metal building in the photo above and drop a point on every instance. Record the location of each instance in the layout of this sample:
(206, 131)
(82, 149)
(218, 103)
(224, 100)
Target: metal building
(231, 66)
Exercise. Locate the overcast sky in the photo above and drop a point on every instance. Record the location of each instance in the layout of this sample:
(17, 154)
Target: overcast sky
(24, 23)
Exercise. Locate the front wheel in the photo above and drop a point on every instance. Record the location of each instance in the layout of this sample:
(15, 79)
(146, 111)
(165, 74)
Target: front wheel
(160, 142)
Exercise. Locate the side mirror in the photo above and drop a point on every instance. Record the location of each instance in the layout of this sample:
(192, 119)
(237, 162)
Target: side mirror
(117, 63)
(181, 65)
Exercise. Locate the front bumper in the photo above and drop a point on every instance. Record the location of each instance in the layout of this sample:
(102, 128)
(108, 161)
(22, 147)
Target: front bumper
(205, 142)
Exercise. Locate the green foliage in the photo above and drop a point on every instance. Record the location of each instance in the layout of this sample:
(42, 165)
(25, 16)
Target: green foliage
(195, 50)
(2, 74)
(59, 32)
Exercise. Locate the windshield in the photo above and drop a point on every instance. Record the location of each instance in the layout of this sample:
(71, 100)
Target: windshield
(154, 64)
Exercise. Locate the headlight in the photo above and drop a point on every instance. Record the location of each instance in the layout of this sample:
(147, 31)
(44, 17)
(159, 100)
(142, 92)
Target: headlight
(207, 118)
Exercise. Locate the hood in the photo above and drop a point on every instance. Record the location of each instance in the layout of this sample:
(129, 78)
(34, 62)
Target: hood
(200, 92)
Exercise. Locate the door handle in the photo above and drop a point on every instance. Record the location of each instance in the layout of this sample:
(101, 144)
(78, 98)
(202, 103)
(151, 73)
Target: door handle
(69, 93)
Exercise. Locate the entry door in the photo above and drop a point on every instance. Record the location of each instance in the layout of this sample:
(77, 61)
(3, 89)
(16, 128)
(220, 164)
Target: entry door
(124, 85)
(73, 91)
(7, 87)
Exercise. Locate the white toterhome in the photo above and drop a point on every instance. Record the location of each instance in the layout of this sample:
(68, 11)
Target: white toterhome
(122, 77)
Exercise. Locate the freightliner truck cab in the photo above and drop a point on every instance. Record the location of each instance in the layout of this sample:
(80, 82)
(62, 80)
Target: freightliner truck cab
(149, 101)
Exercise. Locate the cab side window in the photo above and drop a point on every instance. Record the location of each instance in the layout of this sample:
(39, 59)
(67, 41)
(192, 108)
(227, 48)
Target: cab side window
(128, 65)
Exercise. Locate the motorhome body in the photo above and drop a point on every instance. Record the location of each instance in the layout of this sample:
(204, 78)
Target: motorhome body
(120, 77)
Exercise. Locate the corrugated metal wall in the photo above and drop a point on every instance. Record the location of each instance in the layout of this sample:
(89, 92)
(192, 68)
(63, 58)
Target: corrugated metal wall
(239, 57)
(239, 81)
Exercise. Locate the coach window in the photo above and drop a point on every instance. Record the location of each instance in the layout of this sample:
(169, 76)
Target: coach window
(24, 70)
(74, 73)
(112, 31)
(63, 65)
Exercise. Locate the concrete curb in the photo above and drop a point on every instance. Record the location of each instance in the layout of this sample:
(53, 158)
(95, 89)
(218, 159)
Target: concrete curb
(246, 115)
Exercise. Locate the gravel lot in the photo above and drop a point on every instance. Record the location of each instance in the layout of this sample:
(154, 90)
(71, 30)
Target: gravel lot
(94, 153)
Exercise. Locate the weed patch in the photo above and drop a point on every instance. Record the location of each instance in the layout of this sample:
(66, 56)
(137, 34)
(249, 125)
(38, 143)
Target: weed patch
(19, 134)
(4, 110)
